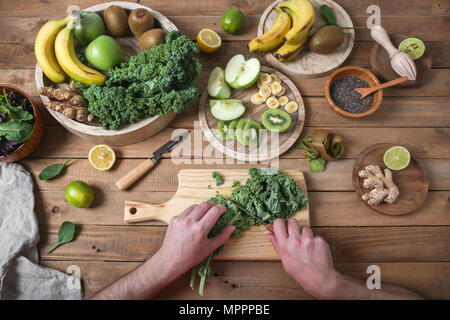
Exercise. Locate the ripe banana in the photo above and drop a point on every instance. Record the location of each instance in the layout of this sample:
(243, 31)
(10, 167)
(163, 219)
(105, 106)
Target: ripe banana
(283, 100)
(265, 91)
(302, 15)
(67, 59)
(264, 78)
(276, 88)
(291, 107)
(272, 103)
(44, 49)
(274, 37)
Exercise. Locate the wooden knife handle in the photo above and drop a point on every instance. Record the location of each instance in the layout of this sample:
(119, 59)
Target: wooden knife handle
(132, 176)
(269, 227)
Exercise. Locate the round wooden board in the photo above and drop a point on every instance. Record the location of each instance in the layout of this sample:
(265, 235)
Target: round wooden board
(309, 64)
(129, 134)
(381, 64)
(412, 182)
(265, 151)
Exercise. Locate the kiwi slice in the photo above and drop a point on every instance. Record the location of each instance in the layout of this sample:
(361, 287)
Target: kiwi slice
(251, 133)
(231, 133)
(223, 127)
(276, 120)
(240, 128)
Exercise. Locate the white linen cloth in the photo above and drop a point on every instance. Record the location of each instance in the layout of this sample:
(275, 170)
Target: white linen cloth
(20, 275)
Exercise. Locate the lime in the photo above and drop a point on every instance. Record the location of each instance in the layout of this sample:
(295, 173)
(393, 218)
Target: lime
(396, 158)
(232, 21)
(79, 194)
(414, 47)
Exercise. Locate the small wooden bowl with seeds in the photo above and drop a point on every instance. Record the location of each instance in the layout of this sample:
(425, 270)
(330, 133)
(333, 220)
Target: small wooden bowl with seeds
(346, 102)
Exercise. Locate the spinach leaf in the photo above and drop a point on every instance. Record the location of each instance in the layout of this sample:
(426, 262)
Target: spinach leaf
(16, 131)
(66, 234)
(53, 171)
(13, 113)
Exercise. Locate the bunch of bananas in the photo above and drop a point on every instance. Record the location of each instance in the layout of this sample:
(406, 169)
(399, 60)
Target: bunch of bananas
(55, 52)
(290, 31)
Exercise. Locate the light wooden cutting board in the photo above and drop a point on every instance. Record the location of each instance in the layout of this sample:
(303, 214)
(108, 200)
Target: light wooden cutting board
(193, 188)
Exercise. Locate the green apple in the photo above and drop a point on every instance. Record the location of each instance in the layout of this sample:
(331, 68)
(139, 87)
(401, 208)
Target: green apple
(241, 73)
(217, 87)
(104, 53)
(90, 27)
(226, 109)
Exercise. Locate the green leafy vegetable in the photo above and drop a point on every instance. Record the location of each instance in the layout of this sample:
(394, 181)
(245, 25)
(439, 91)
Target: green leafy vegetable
(236, 183)
(16, 131)
(328, 15)
(155, 82)
(218, 177)
(66, 234)
(13, 113)
(317, 165)
(268, 194)
(53, 171)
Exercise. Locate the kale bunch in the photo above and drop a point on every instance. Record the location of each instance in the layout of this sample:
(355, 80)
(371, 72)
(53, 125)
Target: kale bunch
(155, 82)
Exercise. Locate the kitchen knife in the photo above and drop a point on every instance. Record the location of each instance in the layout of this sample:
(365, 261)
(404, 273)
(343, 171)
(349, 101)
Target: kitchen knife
(269, 226)
(132, 176)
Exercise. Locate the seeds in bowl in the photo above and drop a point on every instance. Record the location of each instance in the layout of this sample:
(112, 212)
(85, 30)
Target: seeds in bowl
(346, 98)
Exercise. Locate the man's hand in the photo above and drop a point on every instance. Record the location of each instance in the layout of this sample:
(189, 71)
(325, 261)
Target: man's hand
(305, 258)
(186, 243)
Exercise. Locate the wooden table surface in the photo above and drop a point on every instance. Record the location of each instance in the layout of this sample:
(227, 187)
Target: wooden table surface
(413, 251)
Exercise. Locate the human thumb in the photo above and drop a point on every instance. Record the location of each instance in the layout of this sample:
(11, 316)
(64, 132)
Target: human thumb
(222, 237)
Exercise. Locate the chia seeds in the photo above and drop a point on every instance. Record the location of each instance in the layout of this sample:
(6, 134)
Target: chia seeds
(348, 99)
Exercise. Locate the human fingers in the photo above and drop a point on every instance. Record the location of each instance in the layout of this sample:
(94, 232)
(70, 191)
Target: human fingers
(221, 238)
(307, 233)
(213, 214)
(280, 230)
(201, 210)
(293, 228)
(274, 241)
(187, 211)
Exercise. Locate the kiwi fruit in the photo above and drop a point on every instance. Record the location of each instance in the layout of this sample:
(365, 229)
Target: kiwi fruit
(276, 120)
(152, 38)
(240, 128)
(251, 133)
(116, 21)
(140, 20)
(232, 129)
(223, 127)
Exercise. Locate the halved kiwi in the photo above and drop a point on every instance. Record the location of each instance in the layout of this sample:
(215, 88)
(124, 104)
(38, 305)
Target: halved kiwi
(251, 133)
(276, 120)
(240, 128)
(232, 129)
(222, 127)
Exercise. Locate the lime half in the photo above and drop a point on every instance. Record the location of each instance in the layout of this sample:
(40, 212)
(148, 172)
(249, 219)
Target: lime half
(414, 47)
(396, 158)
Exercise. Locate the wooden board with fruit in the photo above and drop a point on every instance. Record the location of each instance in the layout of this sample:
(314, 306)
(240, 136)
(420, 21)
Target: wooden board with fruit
(258, 119)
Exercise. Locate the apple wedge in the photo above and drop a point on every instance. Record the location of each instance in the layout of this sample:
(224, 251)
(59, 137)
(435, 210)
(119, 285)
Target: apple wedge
(241, 73)
(226, 109)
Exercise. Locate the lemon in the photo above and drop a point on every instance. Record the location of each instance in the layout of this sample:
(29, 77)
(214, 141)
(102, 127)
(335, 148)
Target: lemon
(102, 157)
(208, 40)
(79, 194)
(396, 158)
(232, 21)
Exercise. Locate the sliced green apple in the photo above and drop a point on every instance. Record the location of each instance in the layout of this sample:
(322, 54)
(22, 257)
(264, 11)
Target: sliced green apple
(217, 87)
(226, 109)
(241, 73)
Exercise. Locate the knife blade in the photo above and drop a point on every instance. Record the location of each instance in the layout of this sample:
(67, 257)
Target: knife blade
(269, 226)
(132, 176)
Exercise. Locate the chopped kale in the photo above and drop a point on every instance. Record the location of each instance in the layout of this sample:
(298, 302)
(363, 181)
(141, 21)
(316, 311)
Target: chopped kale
(218, 177)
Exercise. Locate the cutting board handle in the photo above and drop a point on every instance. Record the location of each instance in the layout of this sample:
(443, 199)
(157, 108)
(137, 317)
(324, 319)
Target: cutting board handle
(139, 211)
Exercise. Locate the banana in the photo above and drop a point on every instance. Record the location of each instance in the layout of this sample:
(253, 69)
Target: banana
(276, 88)
(283, 90)
(283, 100)
(287, 52)
(257, 99)
(274, 37)
(302, 15)
(291, 107)
(67, 59)
(264, 78)
(44, 49)
(272, 103)
(274, 77)
(265, 91)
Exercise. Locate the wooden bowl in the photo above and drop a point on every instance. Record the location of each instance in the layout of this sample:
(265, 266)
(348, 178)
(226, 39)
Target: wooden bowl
(362, 73)
(412, 181)
(132, 133)
(38, 128)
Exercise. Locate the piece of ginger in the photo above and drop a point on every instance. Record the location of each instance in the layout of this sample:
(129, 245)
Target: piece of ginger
(381, 184)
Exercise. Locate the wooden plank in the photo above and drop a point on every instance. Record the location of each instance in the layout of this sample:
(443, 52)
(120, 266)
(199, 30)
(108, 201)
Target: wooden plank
(347, 244)
(327, 209)
(436, 84)
(427, 143)
(163, 177)
(242, 280)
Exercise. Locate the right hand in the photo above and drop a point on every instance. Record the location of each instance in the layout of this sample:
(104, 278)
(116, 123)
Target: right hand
(305, 258)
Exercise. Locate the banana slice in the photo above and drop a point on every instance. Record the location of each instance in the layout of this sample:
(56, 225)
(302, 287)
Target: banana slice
(257, 99)
(291, 107)
(274, 78)
(283, 100)
(276, 88)
(283, 90)
(264, 79)
(265, 91)
(272, 103)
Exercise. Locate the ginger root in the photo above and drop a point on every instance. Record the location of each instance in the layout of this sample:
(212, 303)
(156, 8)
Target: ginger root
(381, 184)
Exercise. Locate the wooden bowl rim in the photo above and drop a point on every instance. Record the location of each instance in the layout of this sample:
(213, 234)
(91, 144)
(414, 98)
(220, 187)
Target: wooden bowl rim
(376, 102)
(217, 144)
(98, 130)
(360, 191)
(37, 123)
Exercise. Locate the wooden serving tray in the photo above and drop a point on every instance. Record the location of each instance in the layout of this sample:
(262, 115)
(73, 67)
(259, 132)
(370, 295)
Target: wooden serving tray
(193, 188)
(309, 64)
(266, 151)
